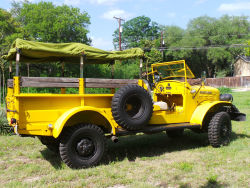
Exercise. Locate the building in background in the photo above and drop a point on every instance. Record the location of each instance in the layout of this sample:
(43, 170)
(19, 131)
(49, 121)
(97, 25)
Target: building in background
(242, 66)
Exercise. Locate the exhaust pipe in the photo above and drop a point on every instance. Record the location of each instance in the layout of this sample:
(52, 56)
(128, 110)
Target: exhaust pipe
(114, 139)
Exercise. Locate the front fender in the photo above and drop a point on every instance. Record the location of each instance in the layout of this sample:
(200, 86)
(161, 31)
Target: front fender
(201, 111)
(61, 121)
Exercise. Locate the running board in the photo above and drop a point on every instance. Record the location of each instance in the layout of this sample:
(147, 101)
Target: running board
(156, 128)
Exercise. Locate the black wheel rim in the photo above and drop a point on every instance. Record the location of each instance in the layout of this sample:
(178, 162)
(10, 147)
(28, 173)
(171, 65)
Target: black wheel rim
(85, 147)
(133, 106)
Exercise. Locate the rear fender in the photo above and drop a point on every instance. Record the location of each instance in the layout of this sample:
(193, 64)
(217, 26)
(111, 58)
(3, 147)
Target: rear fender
(62, 120)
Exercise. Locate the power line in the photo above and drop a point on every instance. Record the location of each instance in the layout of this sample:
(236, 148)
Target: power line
(193, 36)
(203, 36)
(204, 47)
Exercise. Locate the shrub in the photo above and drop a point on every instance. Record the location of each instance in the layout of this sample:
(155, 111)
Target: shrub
(224, 90)
(4, 127)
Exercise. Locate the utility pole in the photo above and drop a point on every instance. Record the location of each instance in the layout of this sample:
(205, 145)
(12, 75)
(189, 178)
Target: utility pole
(119, 21)
(120, 46)
(162, 46)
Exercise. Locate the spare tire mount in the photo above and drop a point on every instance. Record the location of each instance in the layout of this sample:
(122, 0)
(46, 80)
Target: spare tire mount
(132, 107)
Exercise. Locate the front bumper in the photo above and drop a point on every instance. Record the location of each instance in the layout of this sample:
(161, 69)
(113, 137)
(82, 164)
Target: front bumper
(236, 115)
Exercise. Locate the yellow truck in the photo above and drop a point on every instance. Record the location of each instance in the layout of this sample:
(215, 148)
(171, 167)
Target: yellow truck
(77, 125)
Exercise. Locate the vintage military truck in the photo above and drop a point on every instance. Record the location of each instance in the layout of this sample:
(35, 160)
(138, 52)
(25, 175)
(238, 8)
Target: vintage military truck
(77, 125)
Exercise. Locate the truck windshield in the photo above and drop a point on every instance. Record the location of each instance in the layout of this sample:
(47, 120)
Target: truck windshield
(167, 71)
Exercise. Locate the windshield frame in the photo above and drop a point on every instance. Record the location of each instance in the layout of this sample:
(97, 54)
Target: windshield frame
(186, 68)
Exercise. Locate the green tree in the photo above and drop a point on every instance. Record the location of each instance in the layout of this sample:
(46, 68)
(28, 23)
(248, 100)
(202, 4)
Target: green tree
(9, 29)
(152, 52)
(46, 22)
(136, 30)
(206, 44)
(172, 35)
(247, 50)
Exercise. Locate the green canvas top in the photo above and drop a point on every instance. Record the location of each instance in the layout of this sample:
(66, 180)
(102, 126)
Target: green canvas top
(39, 52)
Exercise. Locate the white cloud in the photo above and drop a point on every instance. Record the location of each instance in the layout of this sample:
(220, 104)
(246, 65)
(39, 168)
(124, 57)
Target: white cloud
(103, 1)
(118, 13)
(171, 14)
(96, 2)
(99, 42)
(234, 6)
(198, 2)
(72, 2)
(32, 1)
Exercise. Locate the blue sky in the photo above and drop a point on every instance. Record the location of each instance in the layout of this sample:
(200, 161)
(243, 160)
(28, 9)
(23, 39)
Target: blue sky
(164, 12)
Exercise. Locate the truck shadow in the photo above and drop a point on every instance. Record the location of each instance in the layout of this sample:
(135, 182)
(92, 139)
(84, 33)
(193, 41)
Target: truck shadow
(53, 158)
(132, 147)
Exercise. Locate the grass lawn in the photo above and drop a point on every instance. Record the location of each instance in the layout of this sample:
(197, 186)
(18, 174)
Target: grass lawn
(136, 161)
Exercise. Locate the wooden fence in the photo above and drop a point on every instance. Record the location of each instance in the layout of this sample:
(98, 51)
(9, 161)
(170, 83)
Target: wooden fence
(232, 82)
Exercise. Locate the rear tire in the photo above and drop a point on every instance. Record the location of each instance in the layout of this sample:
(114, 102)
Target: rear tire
(132, 107)
(220, 129)
(175, 133)
(82, 146)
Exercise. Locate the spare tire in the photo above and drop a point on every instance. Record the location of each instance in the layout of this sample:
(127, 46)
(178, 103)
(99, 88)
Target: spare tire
(132, 107)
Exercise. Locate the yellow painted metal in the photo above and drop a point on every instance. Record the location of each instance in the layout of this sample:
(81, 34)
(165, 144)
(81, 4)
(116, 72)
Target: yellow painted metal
(61, 121)
(81, 89)
(16, 85)
(167, 63)
(81, 85)
(177, 94)
(142, 84)
(41, 132)
(16, 100)
(10, 105)
(47, 114)
(38, 111)
(201, 110)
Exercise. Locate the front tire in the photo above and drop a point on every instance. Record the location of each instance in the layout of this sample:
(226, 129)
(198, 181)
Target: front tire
(220, 129)
(82, 146)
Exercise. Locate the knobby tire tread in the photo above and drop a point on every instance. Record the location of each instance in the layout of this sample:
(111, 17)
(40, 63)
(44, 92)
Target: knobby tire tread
(66, 136)
(116, 105)
(214, 129)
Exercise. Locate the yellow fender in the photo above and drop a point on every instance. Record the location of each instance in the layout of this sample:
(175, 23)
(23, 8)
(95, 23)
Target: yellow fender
(201, 111)
(61, 121)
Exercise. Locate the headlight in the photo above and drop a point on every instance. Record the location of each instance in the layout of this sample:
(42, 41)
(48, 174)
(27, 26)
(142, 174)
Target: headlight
(226, 97)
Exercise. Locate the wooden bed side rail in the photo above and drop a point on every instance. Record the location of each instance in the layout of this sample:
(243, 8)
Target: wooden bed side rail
(107, 83)
(59, 82)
